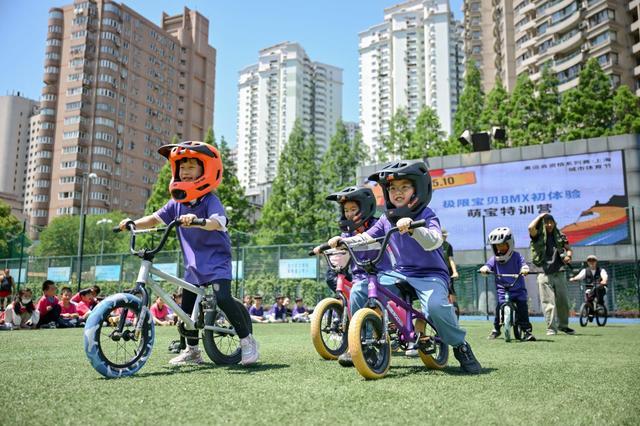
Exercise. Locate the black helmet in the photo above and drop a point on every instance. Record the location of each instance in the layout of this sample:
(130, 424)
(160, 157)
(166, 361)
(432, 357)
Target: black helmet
(417, 172)
(365, 199)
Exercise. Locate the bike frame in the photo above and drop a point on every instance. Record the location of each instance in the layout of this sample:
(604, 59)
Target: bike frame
(343, 286)
(144, 279)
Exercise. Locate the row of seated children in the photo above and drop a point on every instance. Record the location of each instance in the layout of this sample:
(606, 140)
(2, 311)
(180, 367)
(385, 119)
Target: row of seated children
(49, 312)
(279, 311)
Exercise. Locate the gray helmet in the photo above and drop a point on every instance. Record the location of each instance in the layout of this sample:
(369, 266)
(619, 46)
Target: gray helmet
(499, 236)
(366, 201)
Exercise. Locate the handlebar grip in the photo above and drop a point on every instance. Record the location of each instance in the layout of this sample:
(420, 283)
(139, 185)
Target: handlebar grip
(199, 222)
(116, 229)
(418, 224)
(322, 247)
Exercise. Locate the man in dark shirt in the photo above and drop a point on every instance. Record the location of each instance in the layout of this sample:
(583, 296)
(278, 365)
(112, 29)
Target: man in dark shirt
(447, 250)
(550, 250)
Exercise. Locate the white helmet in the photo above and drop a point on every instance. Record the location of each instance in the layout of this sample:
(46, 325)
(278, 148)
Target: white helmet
(499, 236)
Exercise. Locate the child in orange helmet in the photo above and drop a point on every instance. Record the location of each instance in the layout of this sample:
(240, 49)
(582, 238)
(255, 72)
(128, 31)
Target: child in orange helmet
(196, 171)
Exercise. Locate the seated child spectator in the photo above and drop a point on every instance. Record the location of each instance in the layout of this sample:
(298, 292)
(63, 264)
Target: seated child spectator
(21, 313)
(256, 312)
(160, 313)
(287, 308)
(115, 317)
(299, 313)
(6, 288)
(95, 291)
(247, 301)
(86, 304)
(69, 316)
(508, 261)
(278, 312)
(49, 306)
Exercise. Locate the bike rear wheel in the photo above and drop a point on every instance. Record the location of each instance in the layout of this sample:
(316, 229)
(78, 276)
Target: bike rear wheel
(584, 315)
(601, 315)
(223, 347)
(433, 352)
(327, 335)
(369, 344)
(114, 352)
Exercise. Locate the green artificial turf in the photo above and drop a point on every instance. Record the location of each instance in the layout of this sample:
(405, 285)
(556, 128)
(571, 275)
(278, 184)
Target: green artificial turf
(589, 378)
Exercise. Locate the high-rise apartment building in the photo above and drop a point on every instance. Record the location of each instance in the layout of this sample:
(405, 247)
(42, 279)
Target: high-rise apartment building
(16, 128)
(284, 86)
(117, 87)
(352, 129)
(527, 35)
(410, 60)
(634, 12)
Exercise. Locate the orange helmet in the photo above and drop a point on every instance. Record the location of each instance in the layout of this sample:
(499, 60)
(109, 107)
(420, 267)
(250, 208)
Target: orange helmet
(208, 157)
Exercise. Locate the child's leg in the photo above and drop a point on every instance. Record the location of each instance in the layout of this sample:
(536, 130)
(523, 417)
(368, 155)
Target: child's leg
(434, 296)
(188, 301)
(358, 297)
(522, 316)
(231, 309)
(496, 320)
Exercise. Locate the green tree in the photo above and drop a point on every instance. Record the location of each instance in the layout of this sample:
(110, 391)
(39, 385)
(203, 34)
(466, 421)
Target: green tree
(588, 108)
(292, 213)
(428, 137)
(521, 107)
(10, 231)
(398, 141)
(626, 112)
(238, 209)
(60, 237)
(496, 110)
(471, 103)
(547, 116)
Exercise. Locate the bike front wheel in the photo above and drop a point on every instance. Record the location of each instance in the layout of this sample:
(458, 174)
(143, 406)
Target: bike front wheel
(223, 344)
(112, 351)
(369, 344)
(507, 315)
(601, 315)
(433, 352)
(328, 337)
(584, 315)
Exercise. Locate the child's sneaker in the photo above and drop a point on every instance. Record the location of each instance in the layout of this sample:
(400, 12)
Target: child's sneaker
(493, 335)
(6, 327)
(411, 351)
(250, 354)
(345, 359)
(467, 360)
(188, 356)
(551, 332)
(528, 337)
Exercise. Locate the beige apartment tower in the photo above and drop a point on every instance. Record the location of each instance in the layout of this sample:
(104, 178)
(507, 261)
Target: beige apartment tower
(117, 87)
(510, 38)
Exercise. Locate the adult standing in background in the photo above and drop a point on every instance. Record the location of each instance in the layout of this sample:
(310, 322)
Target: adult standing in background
(447, 250)
(550, 250)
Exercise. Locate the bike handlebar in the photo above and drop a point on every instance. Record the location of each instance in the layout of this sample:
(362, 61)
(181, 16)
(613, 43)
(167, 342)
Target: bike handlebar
(131, 227)
(385, 242)
(514, 276)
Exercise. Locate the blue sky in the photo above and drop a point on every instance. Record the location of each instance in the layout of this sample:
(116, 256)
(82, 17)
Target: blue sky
(326, 29)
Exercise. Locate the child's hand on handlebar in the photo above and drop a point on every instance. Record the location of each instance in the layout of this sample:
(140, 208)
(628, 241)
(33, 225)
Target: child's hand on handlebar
(524, 270)
(316, 250)
(485, 270)
(334, 241)
(187, 219)
(123, 224)
(404, 224)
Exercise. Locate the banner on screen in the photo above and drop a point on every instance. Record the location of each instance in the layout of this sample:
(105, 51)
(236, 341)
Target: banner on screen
(298, 268)
(585, 193)
(58, 273)
(108, 273)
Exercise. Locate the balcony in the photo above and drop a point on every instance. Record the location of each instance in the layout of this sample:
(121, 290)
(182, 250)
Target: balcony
(636, 71)
(568, 62)
(568, 44)
(636, 48)
(562, 26)
(568, 84)
(633, 4)
(558, 6)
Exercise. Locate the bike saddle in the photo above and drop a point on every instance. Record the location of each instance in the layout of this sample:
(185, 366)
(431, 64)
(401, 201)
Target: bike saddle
(406, 290)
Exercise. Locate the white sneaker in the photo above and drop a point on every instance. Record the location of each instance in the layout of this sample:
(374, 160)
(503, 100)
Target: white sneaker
(187, 356)
(551, 332)
(250, 354)
(411, 351)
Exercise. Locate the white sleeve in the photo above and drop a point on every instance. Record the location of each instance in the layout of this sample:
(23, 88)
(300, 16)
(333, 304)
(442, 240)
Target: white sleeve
(429, 239)
(221, 220)
(581, 274)
(604, 275)
(158, 218)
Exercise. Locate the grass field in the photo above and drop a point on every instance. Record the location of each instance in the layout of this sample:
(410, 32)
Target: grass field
(589, 378)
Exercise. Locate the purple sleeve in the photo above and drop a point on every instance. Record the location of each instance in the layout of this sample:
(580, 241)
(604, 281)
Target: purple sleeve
(377, 230)
(167, 213)
(491, 263)
(432, 221)
(521, 261)
(214, 206)
(272, 311)
(252, 310)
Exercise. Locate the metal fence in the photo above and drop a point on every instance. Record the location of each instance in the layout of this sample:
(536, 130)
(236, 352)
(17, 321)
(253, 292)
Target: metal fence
(260, 273)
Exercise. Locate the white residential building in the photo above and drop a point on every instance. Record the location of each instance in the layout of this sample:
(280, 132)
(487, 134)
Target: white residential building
(283, 86)
(410, 60)
(15, 132)
(352, 129)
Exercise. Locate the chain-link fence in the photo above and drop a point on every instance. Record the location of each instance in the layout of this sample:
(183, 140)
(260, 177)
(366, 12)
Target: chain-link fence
(262, 269)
